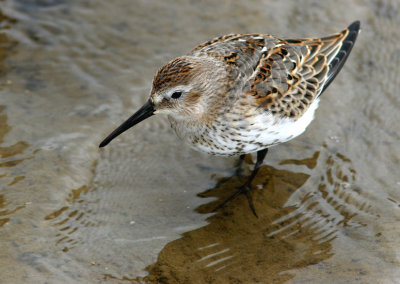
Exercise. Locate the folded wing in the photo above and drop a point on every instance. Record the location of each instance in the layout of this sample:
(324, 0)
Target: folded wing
(292, 74)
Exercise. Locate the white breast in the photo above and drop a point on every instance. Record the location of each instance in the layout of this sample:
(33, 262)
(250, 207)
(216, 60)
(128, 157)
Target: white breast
(242, 137)
(287, 129)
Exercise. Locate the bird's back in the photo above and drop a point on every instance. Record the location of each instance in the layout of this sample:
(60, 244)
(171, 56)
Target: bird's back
(283, 76)
(272, 87)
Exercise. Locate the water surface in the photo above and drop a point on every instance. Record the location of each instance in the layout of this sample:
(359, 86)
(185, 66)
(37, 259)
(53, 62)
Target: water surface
(141, 209)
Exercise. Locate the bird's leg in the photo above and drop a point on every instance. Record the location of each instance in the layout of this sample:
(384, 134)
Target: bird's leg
(245, 188)
(239, 170)
(260, 158)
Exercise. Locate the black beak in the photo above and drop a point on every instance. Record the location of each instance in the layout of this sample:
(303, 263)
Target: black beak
(144, 112)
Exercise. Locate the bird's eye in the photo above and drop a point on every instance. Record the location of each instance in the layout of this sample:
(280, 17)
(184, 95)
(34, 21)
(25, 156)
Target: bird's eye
(176, 95)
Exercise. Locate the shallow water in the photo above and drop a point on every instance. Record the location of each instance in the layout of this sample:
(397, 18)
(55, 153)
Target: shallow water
(141, 209)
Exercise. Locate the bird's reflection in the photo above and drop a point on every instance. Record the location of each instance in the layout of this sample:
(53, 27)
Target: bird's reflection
(238, 247)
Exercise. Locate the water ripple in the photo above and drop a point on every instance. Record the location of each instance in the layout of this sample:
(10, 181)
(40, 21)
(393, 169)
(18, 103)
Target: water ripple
(288, 234)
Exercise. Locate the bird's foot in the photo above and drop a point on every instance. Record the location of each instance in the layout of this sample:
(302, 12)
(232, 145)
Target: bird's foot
(244, 189)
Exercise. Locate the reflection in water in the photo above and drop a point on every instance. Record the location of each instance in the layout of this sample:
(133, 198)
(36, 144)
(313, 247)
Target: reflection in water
(6, 45)
(6, 212)
(68, 221)
(236, 246)
(70, 69)
(13, 150)
(70, 218)
(7, 153)
(310, 163)
(4, 127)
(8, 160)
(74, 215)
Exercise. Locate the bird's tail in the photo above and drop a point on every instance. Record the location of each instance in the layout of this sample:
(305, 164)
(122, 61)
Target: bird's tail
(338, 49)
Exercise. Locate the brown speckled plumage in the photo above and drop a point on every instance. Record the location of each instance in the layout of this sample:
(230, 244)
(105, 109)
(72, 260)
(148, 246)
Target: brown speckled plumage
(244, 84)
(243, 93)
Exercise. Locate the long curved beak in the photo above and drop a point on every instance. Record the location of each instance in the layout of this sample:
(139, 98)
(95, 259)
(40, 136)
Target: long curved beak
(144, 112)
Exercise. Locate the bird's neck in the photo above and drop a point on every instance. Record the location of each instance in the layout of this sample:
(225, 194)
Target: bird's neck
(186, 128)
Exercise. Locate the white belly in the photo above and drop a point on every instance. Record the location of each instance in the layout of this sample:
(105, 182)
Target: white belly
(287, 129)
(241, 137)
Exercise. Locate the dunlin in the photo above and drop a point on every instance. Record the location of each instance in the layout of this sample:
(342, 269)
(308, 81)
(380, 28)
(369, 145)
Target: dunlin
(243, 93)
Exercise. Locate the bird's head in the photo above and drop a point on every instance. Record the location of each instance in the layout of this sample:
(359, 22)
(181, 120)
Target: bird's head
(184, 88)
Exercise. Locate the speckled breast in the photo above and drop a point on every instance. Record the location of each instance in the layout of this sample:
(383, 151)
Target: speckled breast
(228, 135)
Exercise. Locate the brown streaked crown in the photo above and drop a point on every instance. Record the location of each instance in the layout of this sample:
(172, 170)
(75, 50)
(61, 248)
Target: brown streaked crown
(176, 72)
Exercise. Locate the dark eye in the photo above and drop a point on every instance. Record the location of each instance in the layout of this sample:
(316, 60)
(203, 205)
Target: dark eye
(176, 95)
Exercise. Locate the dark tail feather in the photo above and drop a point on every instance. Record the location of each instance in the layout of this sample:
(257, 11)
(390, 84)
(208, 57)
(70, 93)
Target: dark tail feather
(338, 61)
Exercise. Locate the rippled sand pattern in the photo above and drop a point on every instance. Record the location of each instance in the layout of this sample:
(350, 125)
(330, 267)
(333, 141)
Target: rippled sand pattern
(8, 160)
(142, 210)
(285, 237)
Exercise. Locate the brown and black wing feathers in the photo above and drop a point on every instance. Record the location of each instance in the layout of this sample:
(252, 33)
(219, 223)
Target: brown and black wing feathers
(341, 57)
(296, 71)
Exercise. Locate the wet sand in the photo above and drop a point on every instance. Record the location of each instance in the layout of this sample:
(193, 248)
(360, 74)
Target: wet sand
(140, 210)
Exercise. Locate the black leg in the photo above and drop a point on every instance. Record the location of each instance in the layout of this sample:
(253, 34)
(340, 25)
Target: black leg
(245, 188)
(260, 158)
(239, 169)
